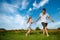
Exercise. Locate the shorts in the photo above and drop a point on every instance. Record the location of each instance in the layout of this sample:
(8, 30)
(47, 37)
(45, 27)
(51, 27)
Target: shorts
(44, 24)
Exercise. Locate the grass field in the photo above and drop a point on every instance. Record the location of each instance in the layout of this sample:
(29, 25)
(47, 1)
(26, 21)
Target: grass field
(35, 35)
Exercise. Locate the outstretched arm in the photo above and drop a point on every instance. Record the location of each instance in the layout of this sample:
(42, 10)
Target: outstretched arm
(50, 18)
(36, 20)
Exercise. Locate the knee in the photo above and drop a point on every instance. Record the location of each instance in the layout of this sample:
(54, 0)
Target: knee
(45, 28)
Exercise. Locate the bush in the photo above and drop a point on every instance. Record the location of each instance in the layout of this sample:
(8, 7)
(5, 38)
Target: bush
(37, 28)
(58, 28)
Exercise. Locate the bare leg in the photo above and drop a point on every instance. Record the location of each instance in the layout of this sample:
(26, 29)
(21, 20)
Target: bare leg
(28, 32)
(46, 31)
(43, 31)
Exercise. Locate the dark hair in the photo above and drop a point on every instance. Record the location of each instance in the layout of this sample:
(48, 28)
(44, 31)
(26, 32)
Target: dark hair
(44, 9)
(29, 19)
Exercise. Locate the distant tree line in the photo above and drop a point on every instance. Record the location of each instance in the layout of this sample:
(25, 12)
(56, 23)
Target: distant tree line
(58, 28)
(2, 29)
(37, 28)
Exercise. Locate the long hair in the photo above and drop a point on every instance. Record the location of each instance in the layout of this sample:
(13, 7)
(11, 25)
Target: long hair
(29, 19)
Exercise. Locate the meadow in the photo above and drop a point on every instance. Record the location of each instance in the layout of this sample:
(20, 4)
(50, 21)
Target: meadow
(34, 35)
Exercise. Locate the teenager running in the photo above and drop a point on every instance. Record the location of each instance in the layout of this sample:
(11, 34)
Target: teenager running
(44, 16)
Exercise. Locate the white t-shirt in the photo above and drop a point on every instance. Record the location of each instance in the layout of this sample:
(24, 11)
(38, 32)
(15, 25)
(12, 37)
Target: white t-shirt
(44, 17)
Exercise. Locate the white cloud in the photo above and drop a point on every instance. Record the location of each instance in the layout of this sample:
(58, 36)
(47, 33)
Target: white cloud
(9, 8)
(16, 22)
(15, 5)
(30, 9)
(34, 4)
(24, 4)
(42, 3)
(54, 25)
(12, 22)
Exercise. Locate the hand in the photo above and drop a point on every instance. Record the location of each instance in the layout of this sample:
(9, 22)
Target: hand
(53, 21)
(31, 22)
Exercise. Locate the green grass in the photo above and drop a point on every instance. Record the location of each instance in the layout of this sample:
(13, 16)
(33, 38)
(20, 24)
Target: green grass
(33, 36)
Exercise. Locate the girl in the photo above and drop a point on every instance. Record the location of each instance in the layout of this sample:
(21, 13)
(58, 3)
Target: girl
(29, 22)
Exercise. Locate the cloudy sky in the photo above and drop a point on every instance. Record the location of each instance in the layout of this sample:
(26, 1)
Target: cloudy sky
(14, 13)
